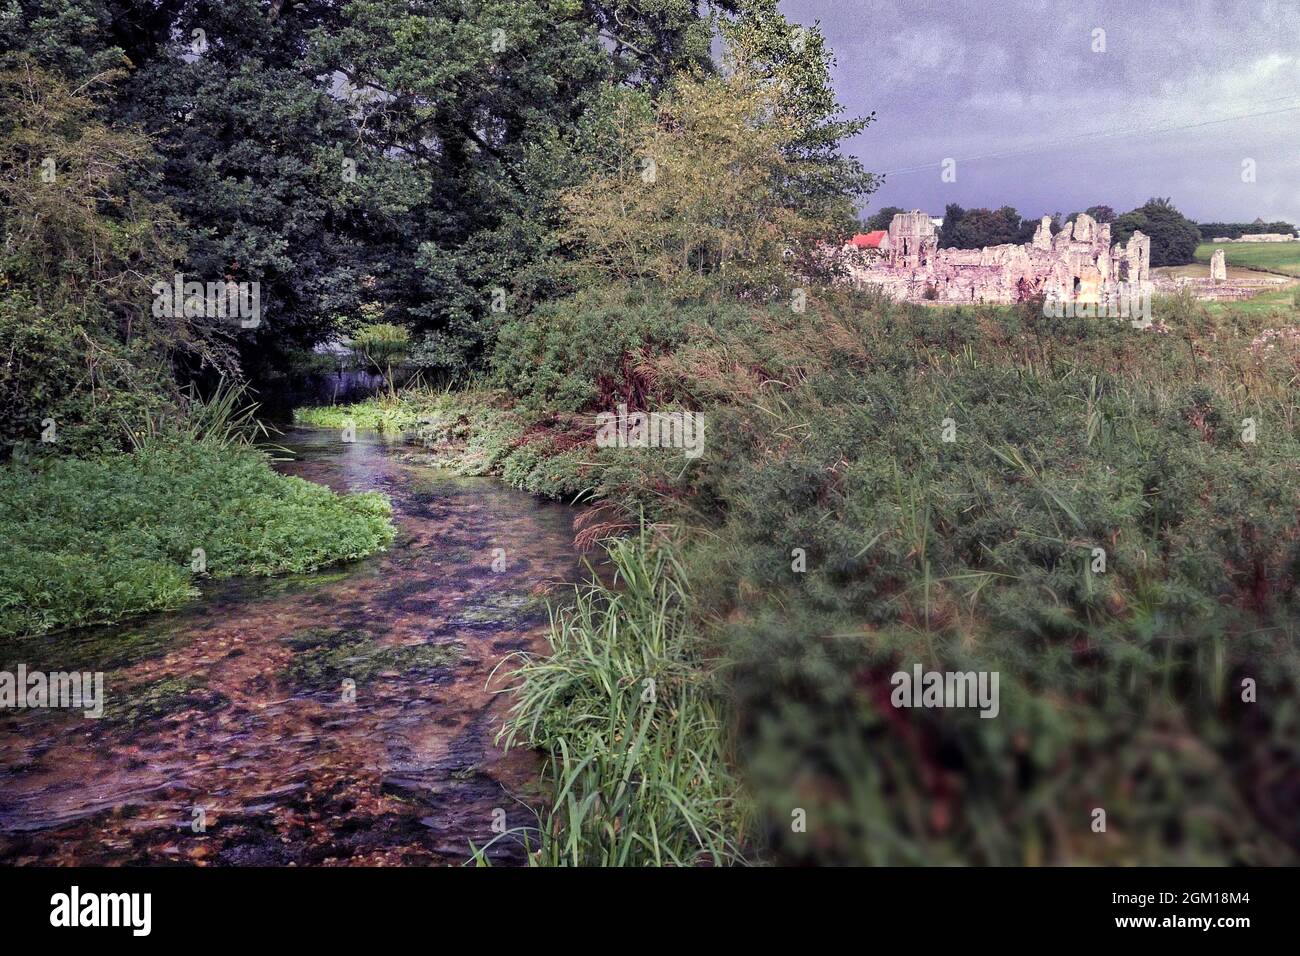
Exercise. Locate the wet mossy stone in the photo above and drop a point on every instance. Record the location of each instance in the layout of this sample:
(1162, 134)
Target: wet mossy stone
(135, 706)
(324, 657)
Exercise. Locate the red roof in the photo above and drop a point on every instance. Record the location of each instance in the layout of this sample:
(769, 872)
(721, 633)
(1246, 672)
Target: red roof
(869, 240)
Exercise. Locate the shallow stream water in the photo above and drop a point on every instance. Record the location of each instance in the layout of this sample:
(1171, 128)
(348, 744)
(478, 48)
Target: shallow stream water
(231, 734)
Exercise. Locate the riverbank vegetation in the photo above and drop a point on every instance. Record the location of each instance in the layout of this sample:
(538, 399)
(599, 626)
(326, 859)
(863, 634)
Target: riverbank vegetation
(630, 714)
(830, 536)
(122, 487)
(558, 211)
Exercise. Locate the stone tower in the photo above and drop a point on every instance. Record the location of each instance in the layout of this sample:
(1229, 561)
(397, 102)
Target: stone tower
(912, 240)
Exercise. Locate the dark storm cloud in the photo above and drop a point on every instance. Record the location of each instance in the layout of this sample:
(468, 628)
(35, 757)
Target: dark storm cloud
(1013, 90)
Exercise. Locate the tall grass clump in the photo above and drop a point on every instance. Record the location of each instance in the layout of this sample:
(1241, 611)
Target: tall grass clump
(1121, 684)
(626, 711)
(225, 419)
(385, 413)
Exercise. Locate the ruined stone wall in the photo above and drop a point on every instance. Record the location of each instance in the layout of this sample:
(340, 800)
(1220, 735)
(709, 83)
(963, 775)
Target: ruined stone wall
(912, 240)
(1260, 237)
(1079, 263)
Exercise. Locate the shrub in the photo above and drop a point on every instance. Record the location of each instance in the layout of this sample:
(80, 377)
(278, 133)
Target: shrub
(1120, 688)
(593, 350)
(55, 366)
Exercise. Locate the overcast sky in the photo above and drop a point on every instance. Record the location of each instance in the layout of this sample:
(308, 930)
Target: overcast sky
(963, 79)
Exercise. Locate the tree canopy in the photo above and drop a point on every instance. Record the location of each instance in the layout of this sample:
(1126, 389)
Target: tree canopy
(976, 228)
(414, 164)
(1173, 236)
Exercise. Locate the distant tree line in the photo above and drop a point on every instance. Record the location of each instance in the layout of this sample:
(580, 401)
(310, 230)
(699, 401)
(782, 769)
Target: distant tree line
(1235, 230)
(976, 228)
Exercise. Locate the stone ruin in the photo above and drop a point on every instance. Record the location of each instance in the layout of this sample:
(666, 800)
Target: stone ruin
(1259, 237)
(1218, 285)
(1077, 264)
(1218, 267)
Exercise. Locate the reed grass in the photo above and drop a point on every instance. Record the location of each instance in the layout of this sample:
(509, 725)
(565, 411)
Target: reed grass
(628, 715)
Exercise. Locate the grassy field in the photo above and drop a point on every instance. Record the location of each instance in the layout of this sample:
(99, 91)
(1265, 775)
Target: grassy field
(1280, 257)
(1282, 301)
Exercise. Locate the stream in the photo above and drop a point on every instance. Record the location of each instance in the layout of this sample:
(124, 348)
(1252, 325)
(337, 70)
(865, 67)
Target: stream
(340, 717)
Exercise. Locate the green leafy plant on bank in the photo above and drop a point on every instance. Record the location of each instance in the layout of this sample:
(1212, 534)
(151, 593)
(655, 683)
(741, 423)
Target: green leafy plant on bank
(382, 345)
(224, 419)
(97, 540)
(386, 415)
(1120, 688)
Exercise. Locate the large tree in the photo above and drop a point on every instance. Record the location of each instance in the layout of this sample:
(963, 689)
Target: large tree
(976, 228)
(882, 218)
(1173, 236)
(81, 243)
(379, 159)
(717, 189)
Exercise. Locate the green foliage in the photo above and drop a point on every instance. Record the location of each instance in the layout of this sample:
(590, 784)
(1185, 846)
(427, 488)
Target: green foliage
(795, 63)
(1173, 236)
(422, 184)
(382, 345)
(98, 540)
(77, 229)
(584, 352)
(721, 189)
(259, 168)
(977, 228)
(1101, 214)
(626, 709)
(56, 366)
(83, 245)
(381, 415)
(223, 420)
(384, 413)
(70, 36)
(480, 101)
(976, 556)
(1235, 230)
(882, 219)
